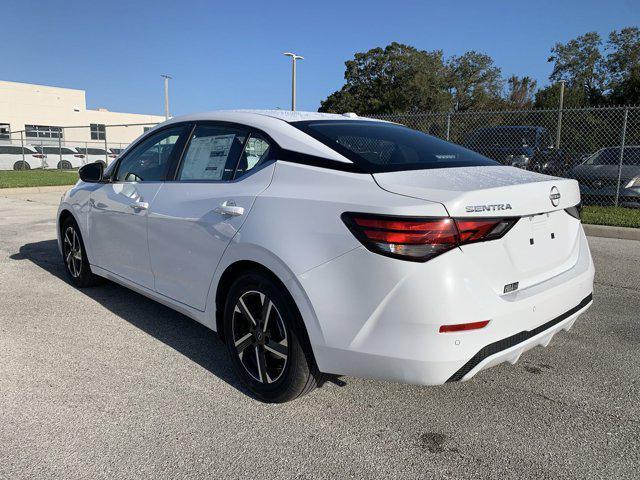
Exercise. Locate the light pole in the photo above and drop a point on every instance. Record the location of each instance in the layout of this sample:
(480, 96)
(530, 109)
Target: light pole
(562, 82)
(166, 95)
(294, 58)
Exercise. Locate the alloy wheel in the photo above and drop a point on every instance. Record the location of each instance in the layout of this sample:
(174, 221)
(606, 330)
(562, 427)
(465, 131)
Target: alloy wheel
(260, 337)
(72, 252)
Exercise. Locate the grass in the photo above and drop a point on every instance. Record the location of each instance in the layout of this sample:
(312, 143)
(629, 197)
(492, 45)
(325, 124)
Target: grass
(37, 178)
(612, 216)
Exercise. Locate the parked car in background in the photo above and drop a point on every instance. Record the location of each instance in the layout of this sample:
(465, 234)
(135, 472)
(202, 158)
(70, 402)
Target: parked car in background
(94, 154)
(328, 243)
(62, 158)
(115, 152)
(598, 176)
(527, 147)
(15, 157)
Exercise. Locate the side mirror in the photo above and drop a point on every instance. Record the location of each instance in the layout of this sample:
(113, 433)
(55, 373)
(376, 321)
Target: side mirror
(91, 172)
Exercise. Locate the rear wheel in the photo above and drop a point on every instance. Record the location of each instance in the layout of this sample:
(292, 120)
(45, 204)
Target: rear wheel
(64, 165)
(75, 257)
(21, 165)
(266, 340)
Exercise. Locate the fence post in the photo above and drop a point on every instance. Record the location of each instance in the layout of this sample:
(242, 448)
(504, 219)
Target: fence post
(22, 147)
(106, 150)
(559, 131)
(622, 140)
(60, 148)
(448, 125)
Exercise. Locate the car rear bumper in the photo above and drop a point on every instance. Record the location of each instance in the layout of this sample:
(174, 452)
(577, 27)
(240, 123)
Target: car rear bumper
(390, 329)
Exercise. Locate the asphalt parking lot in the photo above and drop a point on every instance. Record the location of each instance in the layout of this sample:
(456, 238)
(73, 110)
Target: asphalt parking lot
(106, 383)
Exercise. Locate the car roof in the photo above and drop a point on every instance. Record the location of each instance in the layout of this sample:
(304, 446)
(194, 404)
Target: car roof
(288, 116)
(277, 124)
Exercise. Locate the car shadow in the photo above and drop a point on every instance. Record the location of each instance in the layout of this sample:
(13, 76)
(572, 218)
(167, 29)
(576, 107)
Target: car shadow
(190, 338)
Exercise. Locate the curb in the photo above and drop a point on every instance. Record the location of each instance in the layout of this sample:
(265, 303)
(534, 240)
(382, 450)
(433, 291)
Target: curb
(48, 189)
(605, 231)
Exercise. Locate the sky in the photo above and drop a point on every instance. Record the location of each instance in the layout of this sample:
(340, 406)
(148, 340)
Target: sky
(228, 54)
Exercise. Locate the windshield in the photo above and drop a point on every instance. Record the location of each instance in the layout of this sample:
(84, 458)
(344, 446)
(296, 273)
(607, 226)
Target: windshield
(611, 156)
(387, 147)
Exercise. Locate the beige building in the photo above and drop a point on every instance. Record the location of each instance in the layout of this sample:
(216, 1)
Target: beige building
(41, 111)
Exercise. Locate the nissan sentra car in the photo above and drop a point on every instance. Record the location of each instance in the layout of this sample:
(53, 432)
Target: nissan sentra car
(324, 244)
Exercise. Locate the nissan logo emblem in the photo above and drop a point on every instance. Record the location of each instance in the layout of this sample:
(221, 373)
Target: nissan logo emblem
(554, 196)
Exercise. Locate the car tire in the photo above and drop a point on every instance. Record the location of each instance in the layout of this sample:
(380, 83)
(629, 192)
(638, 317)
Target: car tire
(21, 165)
(268, 344)
(74, 256)
(64, 165)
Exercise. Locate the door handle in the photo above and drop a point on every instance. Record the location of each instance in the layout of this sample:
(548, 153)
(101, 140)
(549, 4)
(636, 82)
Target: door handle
(229, 208)
(139, 205)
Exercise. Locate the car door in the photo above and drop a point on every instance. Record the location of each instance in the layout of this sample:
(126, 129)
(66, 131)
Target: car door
(193, 218)
(119, 207)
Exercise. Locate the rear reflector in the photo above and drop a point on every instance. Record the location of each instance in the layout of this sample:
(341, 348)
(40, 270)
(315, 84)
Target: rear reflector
(420, 239)
(463, 327)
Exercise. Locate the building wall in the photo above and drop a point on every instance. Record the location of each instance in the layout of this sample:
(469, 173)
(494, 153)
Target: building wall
(28, 104)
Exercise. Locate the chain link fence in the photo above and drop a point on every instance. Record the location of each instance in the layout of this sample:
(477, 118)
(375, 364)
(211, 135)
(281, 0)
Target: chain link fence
(599, 147)
(66, 148)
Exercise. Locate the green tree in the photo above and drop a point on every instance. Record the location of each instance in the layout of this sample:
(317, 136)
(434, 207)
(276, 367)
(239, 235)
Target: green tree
(474, 82)
(623, 66)
(520, 92)
(581, 64)
(396, 79)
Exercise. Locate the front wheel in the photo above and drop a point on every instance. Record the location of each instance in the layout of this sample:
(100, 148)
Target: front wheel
(75, 257)
(266, 340)
(21, 165)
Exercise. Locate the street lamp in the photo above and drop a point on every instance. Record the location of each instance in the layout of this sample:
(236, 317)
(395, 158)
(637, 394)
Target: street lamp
(166, 95)
(294, 57)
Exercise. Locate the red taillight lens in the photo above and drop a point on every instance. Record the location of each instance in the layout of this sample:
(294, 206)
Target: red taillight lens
(78, 155)
(463, 327)
(417, 239)
(420, 239)
(112, 156)
(37, 155)
(481, 229)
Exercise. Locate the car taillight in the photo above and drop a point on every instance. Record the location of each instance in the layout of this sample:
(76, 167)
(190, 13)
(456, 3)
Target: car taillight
(421, 239)
(112, 156)
(77, 155)
(38, 155)
(575, 211)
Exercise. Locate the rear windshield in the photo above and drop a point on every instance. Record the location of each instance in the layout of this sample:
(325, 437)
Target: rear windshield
(611, 156)
(387, 147)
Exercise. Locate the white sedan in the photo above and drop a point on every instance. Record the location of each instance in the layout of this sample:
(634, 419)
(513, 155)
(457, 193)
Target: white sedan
(322, 244)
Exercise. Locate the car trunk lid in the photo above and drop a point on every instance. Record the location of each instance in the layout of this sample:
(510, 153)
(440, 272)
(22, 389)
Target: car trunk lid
(542, 244)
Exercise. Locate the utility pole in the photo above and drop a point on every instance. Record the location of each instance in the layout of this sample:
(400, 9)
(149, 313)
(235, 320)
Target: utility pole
(166, 95)
(294, 58)
(562, 82)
